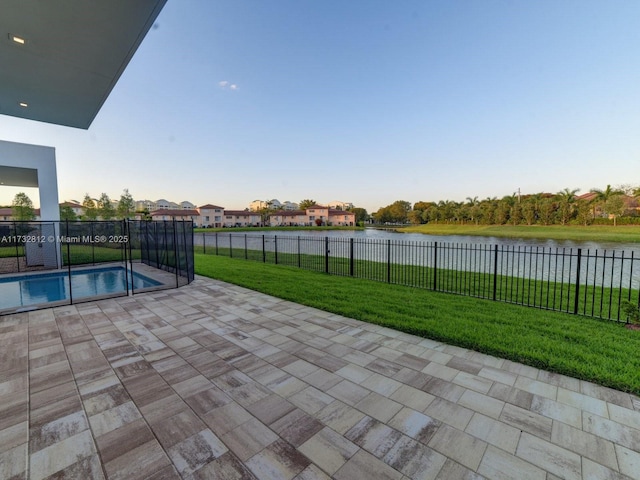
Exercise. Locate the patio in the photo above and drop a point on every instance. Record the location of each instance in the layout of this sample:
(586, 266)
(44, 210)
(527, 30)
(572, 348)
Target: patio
(215, 381)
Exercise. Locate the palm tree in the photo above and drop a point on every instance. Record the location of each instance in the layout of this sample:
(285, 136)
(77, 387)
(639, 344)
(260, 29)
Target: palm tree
(566, 201)
(603, 196)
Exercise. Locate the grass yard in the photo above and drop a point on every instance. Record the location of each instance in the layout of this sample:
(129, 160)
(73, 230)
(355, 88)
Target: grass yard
(594, 301)
(600, 351)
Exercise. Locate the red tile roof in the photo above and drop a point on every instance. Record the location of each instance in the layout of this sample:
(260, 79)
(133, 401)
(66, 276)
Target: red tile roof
(208, 206)
(175, 213)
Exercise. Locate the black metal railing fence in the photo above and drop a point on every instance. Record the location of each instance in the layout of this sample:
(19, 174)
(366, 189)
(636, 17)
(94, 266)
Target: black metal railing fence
(595, 283)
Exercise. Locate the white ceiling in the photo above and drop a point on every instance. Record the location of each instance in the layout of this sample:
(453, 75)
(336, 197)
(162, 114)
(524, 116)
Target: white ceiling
(75, 52)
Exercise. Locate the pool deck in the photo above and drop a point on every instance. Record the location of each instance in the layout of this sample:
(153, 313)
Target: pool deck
(215, 381)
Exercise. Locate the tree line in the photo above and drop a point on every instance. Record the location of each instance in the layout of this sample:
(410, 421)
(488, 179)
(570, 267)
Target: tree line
(561, 208)
(103, 209)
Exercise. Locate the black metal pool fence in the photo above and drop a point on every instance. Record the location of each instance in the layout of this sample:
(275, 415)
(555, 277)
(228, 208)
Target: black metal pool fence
(594, 283)
(161, 250)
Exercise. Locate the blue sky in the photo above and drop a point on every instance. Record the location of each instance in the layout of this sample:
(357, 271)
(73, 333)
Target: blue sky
(369, 101)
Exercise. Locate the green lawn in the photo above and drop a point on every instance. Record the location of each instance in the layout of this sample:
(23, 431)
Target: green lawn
(599, 351)
(593, 233)
(594, 301)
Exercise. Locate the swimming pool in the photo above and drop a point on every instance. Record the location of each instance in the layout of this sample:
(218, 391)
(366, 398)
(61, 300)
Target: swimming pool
(26, 290)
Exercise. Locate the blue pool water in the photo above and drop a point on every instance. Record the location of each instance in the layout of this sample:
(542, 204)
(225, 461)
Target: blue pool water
(22, 291)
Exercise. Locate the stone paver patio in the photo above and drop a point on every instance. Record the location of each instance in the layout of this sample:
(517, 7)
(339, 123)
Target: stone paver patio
(215, 381)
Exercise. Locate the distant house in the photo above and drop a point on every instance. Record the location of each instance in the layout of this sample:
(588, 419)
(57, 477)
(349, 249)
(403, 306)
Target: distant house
(241, 218)
(314, 215)
(75, 207)
(210, 216)
(175, 214)
(6, 214)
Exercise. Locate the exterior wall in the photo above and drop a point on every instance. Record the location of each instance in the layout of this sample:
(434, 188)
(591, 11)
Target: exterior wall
(211, 217)
(235, 219)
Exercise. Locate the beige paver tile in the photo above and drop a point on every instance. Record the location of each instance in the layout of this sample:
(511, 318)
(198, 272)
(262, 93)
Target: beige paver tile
(312, 472)
(557, 411)
(511, 395)
(583, 402)
(375, 437)
(196, 451)
(527, 421)
(595, 471)
(449, 413)
(452, 469)
(113, 418)
(348, 392)
(339, 416)
(473, 382)
(484, 404)
(328, 450)
(606, 394)
(625, 416)
(287, 385)
(459, 446)
(414, 459)
(440, 371)
(442, 388)
(629, 461)
(311, 400)
(499, 465)
(296, 427)
(379, 407)
(60, 455)
(300, 368)
(536, 387)
(494, 432)
(381, 384)
(227, 466)
(278, 461)
(248, 439)
(13, 462)
(585, 444)
(414, 424)
(412, 397)
(559, 380)
(354, 373)
(616, 432)
(365, 465)
(124, 439)
(552, 458)
(140, 463)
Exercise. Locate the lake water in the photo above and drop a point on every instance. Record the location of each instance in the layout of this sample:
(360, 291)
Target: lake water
(376, 234)
(614, 265)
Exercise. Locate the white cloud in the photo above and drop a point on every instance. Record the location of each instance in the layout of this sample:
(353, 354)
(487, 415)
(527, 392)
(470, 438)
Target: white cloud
(224, 84)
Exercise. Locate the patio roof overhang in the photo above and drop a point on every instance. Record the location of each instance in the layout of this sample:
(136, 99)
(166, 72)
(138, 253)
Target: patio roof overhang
(61, 59)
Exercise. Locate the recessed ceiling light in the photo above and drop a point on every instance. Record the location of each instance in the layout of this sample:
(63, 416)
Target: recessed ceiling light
(23, 104)
(17, 39)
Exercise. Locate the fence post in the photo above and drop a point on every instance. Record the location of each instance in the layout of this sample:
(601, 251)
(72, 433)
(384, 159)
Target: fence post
(69, 265)
(351, 256)
(264, 254)
(435, 266)
(299, 259)
(326, 254)
(126, 271)
(578, 264)
(245, 247)
(389, 261)
(275, 248)
(204, 243)
(495, 270)
(216, 243)
(175, 252)
(230, 246)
